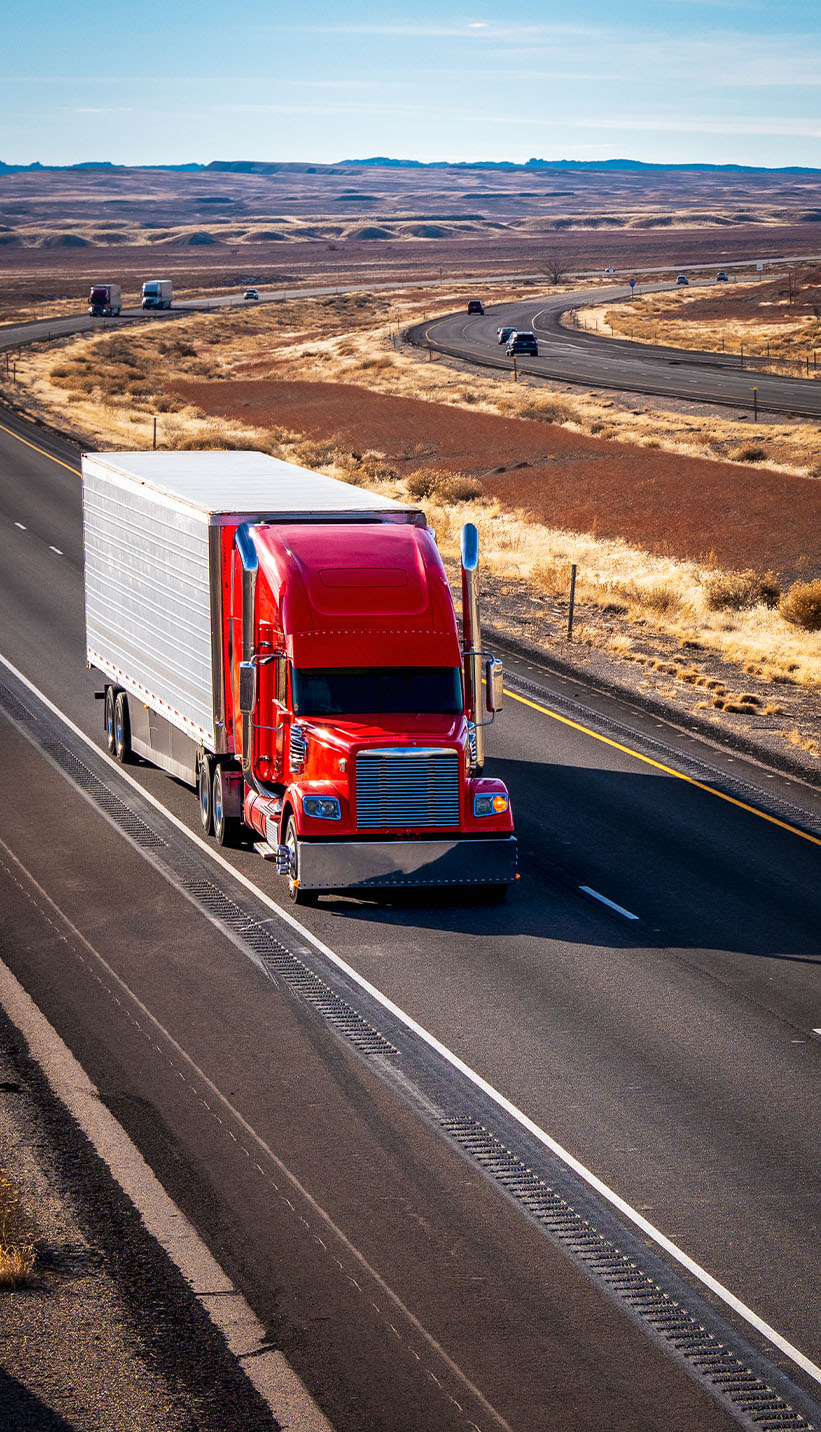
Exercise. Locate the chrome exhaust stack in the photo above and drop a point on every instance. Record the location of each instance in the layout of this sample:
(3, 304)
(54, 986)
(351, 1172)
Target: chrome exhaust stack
(472, 644)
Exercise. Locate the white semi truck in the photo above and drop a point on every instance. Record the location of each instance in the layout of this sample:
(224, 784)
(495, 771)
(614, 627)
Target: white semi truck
(157, 293)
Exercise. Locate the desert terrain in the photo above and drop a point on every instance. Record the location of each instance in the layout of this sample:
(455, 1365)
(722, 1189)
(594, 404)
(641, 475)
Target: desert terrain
(301, 225)
(694, 536)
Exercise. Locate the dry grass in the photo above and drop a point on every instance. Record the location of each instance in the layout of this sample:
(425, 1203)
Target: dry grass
(109, 389)
(17, 1251)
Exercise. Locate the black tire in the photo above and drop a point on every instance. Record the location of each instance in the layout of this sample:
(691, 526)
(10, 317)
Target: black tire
(227, 829)
(110, 695)
(122, 730)
(204, 795)
(296, 894)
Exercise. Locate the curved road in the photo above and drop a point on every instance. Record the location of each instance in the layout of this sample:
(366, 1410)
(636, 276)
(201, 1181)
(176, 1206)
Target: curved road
(569, 355)
(649, 1002)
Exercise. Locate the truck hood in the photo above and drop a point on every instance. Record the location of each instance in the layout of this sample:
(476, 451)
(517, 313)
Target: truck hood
(348, 736)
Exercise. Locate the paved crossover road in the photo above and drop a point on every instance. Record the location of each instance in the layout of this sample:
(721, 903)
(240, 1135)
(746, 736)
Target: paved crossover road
(320, 1098)
(573, 356)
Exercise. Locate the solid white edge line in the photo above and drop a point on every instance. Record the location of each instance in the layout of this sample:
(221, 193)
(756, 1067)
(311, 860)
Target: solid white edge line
(608, 1194)
(266, 1368)
(620, 910)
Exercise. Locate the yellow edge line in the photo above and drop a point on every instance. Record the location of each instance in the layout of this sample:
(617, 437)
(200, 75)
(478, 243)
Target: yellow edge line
(565, 720)
(42, 451)
(659, 766)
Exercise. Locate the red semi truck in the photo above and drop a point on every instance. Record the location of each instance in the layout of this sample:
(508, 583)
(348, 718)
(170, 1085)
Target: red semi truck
(104, 300)
(287, 644)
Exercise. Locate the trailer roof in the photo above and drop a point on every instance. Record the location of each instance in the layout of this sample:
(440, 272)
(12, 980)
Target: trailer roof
(230, 482)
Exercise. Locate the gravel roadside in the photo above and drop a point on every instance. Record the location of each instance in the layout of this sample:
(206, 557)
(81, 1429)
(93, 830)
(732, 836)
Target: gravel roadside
(105, 1334)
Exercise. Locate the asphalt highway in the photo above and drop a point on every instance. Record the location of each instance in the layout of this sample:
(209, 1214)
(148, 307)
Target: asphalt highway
(648, 1004)
(570, 355)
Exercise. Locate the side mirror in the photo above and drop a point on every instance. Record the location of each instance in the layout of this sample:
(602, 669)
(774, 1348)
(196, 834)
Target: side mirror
(247, 687)
(494, 684)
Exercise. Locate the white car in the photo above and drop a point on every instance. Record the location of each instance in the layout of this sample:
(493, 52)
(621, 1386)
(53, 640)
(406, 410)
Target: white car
(250, 293)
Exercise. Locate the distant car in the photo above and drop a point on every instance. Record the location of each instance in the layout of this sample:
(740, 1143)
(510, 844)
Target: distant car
(476, 306)
(250, 293)
(504, 333)
(610, 270)
(523, 342)
(683, 280)
(722, 277)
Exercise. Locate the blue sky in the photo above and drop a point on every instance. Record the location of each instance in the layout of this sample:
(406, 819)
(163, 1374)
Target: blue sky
(719, 81)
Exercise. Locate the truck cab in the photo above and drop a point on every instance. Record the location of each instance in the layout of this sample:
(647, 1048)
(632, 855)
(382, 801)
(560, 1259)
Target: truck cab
(358, 749)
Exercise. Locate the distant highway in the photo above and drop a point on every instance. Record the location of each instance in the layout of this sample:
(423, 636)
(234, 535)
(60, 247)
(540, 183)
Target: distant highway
(569, 355)
(565, 354)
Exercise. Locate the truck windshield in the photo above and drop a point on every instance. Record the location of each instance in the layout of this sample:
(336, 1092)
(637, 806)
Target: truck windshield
(388, 690)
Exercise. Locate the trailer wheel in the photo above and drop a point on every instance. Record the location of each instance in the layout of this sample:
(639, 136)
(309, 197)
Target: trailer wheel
(204, 795)
(110, 694)
(122, 730)
(227, 829)
(296, 894)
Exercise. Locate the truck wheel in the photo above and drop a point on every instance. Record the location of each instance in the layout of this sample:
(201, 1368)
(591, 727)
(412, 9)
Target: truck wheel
(122, 730)
(296, 894)
(110, 694)
(204, 795)
(227, 829)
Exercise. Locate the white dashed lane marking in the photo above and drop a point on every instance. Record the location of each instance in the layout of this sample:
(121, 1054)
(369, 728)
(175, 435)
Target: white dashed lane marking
(611, 904)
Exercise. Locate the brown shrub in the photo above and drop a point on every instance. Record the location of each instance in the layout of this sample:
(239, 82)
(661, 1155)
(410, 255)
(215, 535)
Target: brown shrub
(446, 486)
(802, 605)
(548, 410)
(737, 590)
(748, 454)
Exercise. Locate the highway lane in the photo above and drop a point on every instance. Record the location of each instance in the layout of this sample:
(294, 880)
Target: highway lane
(570, 355)
(661, 1053)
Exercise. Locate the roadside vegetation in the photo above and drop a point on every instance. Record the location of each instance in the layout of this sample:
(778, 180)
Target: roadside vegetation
(669, 620)
(17, 1250)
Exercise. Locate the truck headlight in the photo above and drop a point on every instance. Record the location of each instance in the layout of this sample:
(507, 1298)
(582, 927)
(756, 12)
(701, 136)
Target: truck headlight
(323, 807)
(490, 805)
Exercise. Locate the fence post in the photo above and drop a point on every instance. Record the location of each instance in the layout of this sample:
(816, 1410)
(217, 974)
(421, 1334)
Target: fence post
(755, 405)
(742, 355)
(154, 442)
(515, 370)
(572, 605)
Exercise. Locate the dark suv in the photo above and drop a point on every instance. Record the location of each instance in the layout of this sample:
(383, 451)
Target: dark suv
(522, 343)
(476, 306)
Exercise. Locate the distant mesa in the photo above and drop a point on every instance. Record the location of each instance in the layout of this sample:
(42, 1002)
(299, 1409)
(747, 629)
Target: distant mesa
(201, 238)
(65, 241)
(427, 231)
(357, 198)
(212, 199)
(267, 236)
(370, 231)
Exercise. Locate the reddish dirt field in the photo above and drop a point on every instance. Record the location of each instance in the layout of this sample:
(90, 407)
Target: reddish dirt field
(678, 506)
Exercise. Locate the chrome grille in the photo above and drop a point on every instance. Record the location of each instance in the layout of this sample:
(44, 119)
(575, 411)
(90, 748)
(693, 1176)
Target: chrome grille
(407, 787)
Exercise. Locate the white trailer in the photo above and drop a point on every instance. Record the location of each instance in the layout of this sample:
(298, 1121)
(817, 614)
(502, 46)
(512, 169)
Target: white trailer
(154, 537)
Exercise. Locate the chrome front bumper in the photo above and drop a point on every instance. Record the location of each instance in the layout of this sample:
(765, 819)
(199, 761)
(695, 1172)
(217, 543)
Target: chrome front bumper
(379, 865)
